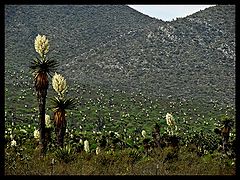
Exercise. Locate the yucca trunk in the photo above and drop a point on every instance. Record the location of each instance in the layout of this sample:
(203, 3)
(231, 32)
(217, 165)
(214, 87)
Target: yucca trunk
(60, 126)
(48, 137)
(225, 137)
(41, 85)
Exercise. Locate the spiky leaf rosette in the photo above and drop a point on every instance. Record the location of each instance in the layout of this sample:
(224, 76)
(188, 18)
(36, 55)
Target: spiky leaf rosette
(59, 106)
(47, 66)
(62, 103)
(41, 70)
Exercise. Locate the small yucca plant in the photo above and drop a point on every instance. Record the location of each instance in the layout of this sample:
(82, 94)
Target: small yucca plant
(134, 155)
(65, 154)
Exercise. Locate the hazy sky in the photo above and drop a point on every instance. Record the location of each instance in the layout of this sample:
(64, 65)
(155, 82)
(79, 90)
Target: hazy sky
(168, 12)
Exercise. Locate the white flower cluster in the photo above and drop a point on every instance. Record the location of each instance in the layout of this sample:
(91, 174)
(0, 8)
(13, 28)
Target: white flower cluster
(13, 143)
(170, 120)
(41, 45)
(171, 123)
(48, 121)
(144, 134)
(86, 146)
(36, 134)
(98, 150)
(59, 84)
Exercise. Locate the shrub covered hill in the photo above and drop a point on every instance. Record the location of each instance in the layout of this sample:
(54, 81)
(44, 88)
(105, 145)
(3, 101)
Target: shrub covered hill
(116, 47)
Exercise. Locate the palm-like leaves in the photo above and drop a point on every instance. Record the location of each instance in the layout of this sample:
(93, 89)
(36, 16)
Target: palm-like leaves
(62, 104)
(41, 69)
(47, 66)
(59, 106)
(65, 154)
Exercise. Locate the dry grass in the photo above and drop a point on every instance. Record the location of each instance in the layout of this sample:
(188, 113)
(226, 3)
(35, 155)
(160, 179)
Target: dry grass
(158, 162)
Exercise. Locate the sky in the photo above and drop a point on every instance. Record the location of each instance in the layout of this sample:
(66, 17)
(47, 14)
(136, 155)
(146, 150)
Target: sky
(168, 12)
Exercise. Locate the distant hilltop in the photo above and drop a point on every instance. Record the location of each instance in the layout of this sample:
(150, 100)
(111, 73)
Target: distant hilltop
(115, 46)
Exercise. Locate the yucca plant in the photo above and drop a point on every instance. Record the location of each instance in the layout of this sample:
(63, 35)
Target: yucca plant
(42, 67)
(65, 154)
(60, 105)
(59, 108)
(227, 124)
(134, 155)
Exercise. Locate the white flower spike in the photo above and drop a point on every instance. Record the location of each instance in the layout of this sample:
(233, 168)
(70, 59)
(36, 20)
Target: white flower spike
(59, 84)
(41, 45)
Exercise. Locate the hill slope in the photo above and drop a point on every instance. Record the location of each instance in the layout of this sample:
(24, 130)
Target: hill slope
(115, 46)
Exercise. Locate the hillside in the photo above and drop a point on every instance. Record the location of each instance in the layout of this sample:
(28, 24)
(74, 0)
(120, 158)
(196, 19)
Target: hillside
(116, 47)
(126, 72)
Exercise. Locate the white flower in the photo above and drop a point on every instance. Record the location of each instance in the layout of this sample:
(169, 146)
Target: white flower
(170, 120)
(53, 161)
(48, 121)
(59, 84)
(81, 141)
(86, 146)
(13, 143)
(36, 134)
(41, 45)
(97, 150)
(144, 134)
(116, 134)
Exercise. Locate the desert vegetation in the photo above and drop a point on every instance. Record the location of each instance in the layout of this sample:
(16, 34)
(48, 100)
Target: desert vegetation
(191, 150)
(98, 112)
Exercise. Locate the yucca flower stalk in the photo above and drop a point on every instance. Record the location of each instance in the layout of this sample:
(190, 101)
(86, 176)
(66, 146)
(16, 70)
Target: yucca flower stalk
(144, 133)
(42, 67)
(60, 105)
(86, 146)
(48, 128)
(98, 150)
(171, 123)
(59, 84)
(36, 134)
(13, 143)
(41, 45)
(48, 121)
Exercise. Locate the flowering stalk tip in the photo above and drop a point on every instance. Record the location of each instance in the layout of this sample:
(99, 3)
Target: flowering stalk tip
(59, 84)
(41, 45)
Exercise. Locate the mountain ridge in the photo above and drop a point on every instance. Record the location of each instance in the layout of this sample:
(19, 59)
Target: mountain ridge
(115, 46)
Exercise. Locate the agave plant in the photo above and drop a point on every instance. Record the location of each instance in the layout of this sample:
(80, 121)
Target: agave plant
(42, 67)
(65, 154)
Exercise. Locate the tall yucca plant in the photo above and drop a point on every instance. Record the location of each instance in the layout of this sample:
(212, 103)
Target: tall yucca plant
(60, 105)
(42, 68)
